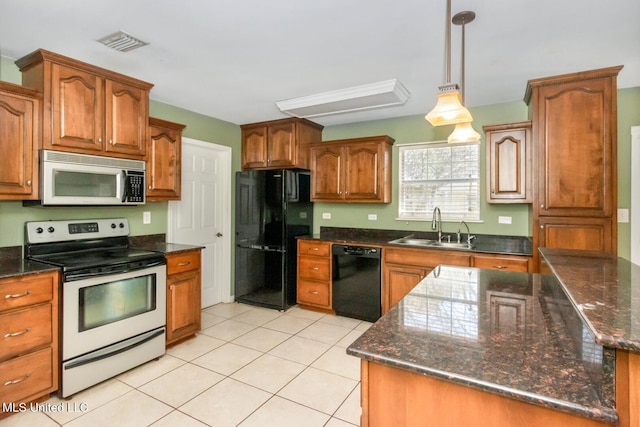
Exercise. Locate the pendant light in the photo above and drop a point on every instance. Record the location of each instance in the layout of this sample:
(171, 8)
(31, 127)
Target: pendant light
(463, 132)
(449, 109)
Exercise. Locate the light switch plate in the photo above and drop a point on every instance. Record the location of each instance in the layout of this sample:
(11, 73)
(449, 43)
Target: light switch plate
(146, 217)
(504, 220)
(623, 215)
(326, 215)
(372, 217)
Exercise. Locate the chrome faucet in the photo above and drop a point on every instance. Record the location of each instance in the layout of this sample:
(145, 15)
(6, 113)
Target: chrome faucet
(436, 222)
(469, 236)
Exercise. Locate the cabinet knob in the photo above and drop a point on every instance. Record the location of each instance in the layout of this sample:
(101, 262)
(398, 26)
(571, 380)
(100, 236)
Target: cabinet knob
(111, 142)
(99, 139)
(541, 206)
(542, 227)
(493, 191)
(29, 183)
(149, 187)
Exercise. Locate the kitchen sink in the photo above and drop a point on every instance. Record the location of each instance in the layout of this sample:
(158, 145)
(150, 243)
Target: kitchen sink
(414, 241)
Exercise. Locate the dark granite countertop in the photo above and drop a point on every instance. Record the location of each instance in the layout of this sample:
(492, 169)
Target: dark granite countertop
(447, 328)
(14, 267)
(605, 291)
(484, 243)
(169, 248)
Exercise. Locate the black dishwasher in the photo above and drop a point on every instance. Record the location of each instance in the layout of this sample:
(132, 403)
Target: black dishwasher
(356, 282)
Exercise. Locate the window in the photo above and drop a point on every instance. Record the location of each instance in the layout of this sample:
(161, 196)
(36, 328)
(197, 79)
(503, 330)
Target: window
(442, 175)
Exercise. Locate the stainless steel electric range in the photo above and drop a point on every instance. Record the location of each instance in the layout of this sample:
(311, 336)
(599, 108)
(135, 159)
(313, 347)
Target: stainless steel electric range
(113, 297)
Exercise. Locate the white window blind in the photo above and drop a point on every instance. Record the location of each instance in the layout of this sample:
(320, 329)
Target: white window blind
(442, 175)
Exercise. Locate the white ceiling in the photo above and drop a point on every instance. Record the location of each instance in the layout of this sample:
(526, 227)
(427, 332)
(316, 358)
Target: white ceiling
(232, 59)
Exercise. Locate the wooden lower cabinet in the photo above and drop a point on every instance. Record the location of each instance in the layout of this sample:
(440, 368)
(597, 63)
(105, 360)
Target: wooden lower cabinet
(183, 295)
(394, 397)
(29, 331)
(314, 274)
(628, 387)
(404, 268)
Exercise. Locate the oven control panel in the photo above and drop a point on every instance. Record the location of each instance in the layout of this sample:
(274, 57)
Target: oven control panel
(67, 230)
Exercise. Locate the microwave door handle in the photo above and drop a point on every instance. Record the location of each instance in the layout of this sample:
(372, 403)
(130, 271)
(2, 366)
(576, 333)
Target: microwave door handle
(125, 185)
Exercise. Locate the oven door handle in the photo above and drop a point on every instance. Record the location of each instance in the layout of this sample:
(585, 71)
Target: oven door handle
(115, 349)
(71, 276)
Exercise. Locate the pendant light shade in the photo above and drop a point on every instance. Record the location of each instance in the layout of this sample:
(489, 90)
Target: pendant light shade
(463, 133)
(449, 109)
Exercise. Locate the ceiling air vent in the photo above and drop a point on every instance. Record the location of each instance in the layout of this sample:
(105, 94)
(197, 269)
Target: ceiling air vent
(122, 41)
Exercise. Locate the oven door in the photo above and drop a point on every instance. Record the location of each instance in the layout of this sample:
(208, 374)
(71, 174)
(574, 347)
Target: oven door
(100, 311)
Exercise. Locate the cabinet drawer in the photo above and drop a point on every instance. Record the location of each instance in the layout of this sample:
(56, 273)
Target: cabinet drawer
(23, 330)
(306, 247)
(26, 290)
(425, 257)
(314, 293)
(501, 263)
(314, 268)
(183, 262)
(25, 376)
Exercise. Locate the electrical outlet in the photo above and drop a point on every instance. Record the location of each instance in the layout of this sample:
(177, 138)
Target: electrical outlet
(326, 215)
(146, 217)
(303, 215)
(623, 215)
(372, 217)
(504, 220)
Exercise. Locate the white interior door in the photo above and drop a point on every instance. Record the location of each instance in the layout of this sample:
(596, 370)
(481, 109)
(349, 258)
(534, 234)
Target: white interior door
(203, 216)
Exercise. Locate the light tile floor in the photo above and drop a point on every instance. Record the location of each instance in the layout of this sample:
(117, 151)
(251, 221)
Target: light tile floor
(248, 366)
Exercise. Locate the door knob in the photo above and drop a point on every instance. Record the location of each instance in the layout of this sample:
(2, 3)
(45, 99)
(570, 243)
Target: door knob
(218, 234)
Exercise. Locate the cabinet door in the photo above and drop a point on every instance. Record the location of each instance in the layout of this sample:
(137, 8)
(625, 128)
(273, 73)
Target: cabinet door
(18, 144)
(281, 145)
(77, 110)
(399, 281)
(508, 162)
(575, 125)
(164, 155)
(183, 305)
(592, 234)
(254, 147)
(126, 118)
(326, 176)
(362, 172)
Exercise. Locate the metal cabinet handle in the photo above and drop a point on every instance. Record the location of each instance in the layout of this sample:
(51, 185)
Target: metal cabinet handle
(315, 249)
(182, 264)
(500, 266)
(315, 268)
(17, 295)
(313, 292)
(16, 334)
(19, 380)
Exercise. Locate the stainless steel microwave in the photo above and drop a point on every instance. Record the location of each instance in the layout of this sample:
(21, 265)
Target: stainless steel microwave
(70, 179)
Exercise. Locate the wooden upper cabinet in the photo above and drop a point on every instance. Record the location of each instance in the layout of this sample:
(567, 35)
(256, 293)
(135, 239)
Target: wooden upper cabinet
(575, 133)
(278, 144)
(19, 139)
(352, 170)
(164, 158)
(87, 109)
(508, 149)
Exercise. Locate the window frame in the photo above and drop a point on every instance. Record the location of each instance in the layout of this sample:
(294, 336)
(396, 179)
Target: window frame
(474, 214)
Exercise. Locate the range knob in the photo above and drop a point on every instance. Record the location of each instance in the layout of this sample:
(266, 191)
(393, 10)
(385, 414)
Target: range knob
(39, 230)
(51, 229)
(121, 225)
(113, 225)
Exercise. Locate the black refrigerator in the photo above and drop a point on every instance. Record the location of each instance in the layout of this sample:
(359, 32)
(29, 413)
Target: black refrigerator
(272, 208)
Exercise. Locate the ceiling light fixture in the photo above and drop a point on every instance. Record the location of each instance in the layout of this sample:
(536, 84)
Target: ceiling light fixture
(449, 109)
(122, 41)
(463, 132)
(374, 95)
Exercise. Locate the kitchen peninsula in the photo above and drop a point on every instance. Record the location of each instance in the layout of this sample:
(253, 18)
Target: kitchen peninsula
(522, 349)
